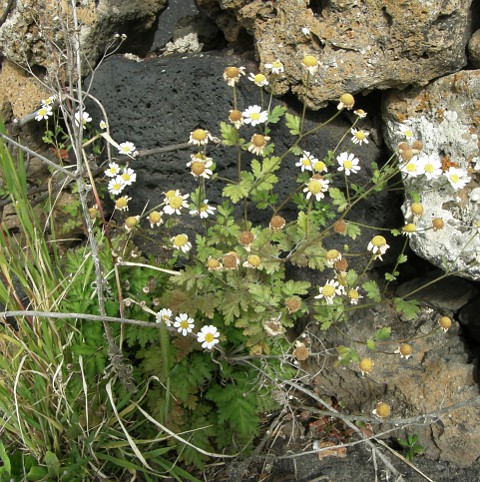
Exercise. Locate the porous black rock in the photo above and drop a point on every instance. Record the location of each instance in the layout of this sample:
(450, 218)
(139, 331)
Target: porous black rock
(158, 102)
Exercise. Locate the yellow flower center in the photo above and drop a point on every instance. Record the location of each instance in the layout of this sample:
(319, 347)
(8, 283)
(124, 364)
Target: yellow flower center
(155, 217)
(366, 364)
(180, 240)
(175, 202)
(319, 166)
(209, 337)
(347, 100)
(199, 135)
(411, 167)
(255, 116)
(254, 260)
(310, 61)
(314, 186)
(121, 202)
(131, 222)
(259, 78)
(348, 164)
(170, 194)
(116, 186)
(454, 178)
(126, 177)
(306, 161)
(379, 241)
(353, 294)
(360, 135)
(417, 209)
(408, 134)
(203, 208)
(405, 349)
(213, 263)
(429, 168)
(184, 324)
(328, 291)
(409, 228)
(332, 254)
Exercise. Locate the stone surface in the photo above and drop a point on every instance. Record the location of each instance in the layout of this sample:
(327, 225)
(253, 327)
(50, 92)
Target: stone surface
(474, 50)
(437, 375)
(444, 116)
(360, 45)
(158, 102)
(31, 26)
(21, 90)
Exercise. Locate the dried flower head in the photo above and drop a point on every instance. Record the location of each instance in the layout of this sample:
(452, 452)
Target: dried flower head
(232, 75)
(277, 223)
(437, 224)
(366, 365)
(382, 410)
(301, 352)
(236, 118)
(340, 227)
(231, 260)
(405, 350)
(445, 323)
(257, 145)
(246, 238)
(276, 67)
(293, 304)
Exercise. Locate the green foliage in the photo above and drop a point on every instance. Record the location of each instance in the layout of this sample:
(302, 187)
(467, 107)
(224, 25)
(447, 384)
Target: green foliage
(411, 446)
(293, 123)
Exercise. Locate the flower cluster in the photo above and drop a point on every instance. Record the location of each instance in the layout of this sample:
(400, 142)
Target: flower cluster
(415, 163)
(45, 110)
(208, 336)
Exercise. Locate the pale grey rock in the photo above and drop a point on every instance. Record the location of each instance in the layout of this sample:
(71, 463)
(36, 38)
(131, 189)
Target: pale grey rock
(444, 116)
(360, 44)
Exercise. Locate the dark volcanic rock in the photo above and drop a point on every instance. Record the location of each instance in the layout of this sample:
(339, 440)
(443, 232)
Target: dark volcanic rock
(158, 102)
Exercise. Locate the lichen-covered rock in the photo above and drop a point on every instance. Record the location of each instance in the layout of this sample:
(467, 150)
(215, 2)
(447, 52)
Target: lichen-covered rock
(360, 45)
(445, 117)
(27, 35)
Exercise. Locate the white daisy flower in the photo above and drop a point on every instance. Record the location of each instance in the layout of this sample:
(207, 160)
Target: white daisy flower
(103, 125)
(413, 167)
(121, 204)
(359, 136)
(258, 79)
(232, 75)
(200, 137)
(83, 119)
(127, 148)
(405, 130)
(184, 324)
(44, 113)
(200, 165)
(457, 178)
(129, 176)
(348, 163)
(175, 202)
(116, 185)
(254, 115)
(204, 210)
(181, 242)
(378, 246)
(208, 336)
(275, 67)
(306, 162)
(113, 170)
(354, 295)
(329, 290)
(49, 100)
(310, 63)
(316, 187)
(165, 316)
(432, 167)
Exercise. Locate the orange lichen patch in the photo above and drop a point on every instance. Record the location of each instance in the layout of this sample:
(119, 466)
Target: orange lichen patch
(447, 164)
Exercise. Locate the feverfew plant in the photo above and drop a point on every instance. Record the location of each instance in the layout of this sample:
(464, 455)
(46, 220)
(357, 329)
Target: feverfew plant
(218, 298)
